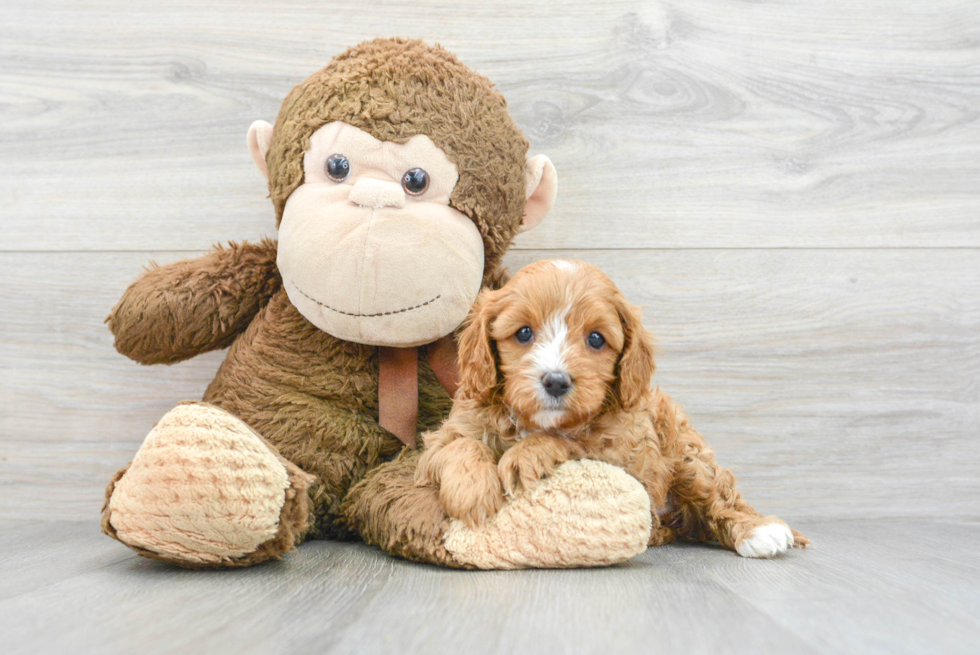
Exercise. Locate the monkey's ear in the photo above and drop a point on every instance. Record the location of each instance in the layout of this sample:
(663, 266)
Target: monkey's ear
(541, 182)
(259, 139)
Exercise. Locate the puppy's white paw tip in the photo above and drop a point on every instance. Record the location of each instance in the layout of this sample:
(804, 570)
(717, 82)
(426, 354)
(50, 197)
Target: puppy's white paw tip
(766, 541)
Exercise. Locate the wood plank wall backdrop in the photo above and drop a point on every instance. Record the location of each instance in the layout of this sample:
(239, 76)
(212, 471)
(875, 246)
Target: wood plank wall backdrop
(791, 189)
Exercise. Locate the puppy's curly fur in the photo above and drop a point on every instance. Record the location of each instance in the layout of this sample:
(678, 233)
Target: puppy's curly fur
(555, 366)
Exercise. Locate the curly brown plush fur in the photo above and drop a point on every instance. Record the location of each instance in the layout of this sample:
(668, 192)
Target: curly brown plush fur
(394, 89)
(314, 397)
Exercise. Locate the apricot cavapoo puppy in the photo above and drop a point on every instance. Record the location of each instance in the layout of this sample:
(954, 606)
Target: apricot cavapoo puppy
(556, 366)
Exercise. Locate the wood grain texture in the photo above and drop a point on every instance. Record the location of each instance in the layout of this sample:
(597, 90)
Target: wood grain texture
(673, 124)
(869, 586)
(834, 382)
(34, 555)
(792, 190)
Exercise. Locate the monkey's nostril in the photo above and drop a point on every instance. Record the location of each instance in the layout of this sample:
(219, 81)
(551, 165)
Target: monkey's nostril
(556, 384)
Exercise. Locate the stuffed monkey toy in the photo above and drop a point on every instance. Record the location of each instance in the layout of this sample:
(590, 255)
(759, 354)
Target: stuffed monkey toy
(399, 180)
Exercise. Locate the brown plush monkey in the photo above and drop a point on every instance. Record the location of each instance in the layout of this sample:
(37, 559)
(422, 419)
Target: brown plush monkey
(399, 180)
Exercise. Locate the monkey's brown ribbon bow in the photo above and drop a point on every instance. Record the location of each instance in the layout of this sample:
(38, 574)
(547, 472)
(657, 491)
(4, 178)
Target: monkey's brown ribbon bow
(398, 384)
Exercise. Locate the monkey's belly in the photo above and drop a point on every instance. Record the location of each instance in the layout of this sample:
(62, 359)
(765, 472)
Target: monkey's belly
(315, 398)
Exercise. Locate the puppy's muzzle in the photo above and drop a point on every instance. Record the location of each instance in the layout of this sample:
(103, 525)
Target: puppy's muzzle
(556, 384)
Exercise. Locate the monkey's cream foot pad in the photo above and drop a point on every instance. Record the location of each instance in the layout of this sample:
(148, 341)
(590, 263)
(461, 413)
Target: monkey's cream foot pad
(203, 488)
(587, 514)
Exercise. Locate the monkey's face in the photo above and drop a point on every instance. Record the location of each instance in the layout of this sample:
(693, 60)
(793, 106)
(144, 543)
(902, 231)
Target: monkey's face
(370, 250)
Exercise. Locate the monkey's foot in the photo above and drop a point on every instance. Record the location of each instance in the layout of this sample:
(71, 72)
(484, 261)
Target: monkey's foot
(587, 514)
(205, 490)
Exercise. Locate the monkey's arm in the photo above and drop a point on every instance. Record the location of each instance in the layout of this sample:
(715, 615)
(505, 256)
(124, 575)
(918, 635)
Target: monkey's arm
(174, 312)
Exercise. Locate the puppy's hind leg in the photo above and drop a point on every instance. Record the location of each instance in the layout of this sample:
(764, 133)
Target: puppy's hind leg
(710, 508)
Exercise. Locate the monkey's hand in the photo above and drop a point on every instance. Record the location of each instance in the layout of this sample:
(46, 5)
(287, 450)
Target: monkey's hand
(174, 312)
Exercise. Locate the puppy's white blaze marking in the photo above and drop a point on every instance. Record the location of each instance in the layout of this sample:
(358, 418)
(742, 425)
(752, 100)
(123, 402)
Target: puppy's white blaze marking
(565, 265)
(548, 418)
(548, 353)
(766, 541)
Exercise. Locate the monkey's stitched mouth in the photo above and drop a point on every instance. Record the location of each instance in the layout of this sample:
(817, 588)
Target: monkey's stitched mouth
(354, 315)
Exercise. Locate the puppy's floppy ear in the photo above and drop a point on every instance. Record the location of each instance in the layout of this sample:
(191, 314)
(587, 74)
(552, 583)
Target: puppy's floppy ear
(636, 364)
(477, 357)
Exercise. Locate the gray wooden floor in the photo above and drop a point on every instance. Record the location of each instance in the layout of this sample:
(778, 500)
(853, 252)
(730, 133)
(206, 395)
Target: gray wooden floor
(880, 586)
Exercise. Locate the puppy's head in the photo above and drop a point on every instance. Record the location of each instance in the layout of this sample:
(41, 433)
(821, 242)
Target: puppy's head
(556, 345)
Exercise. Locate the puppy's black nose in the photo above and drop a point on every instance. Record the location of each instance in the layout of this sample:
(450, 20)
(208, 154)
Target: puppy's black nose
(556, 384)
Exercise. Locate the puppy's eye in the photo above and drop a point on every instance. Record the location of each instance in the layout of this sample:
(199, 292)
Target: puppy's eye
(338, 167)
(524, 335)
(595, 340)
(415, 182)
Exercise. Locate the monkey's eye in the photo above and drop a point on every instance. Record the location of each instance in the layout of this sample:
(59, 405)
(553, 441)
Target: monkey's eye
(415, 182)
(524, 335)
(338, 167)
(595, 340)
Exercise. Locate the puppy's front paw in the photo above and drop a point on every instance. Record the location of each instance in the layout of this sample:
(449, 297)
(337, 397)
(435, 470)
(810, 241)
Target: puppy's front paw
(472, 497)
(523, 466)
(766, 541)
